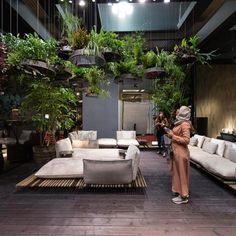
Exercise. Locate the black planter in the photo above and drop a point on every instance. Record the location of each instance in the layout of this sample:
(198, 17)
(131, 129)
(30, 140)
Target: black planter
(186, 59)
(84, 58)
(125, 77)
(77, 82)
(111, 56)
(39, 66)
(155, 72)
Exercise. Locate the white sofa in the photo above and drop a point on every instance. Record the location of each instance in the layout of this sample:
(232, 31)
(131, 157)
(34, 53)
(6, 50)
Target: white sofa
(96, 166)
(126, 138)
(216, 156)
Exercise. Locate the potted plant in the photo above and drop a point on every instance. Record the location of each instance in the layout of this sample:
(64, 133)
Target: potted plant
(110, 45)
(50, 108)
(32, 54)
(149, 61)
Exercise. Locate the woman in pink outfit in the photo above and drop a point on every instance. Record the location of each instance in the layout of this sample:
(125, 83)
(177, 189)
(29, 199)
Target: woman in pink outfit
(180, 136)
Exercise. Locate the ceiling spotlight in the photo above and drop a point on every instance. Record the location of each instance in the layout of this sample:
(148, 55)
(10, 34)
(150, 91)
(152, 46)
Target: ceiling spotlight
(130, 0)
(82, 3)
(62, 0)
(70, 1)
(117, 0)
(166, 1)
(109, 4)
(142, 1)
(93, 0)
(122, 9)
(154, 0)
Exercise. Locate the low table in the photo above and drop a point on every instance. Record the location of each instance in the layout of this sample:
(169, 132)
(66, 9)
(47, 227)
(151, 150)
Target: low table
(143, 142)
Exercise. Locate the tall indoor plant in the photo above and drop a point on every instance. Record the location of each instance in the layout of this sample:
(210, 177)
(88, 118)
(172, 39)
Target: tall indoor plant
(50, 108)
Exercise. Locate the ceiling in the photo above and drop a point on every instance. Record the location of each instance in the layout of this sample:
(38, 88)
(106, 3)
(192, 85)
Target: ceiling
(164, 25)
(145, 17)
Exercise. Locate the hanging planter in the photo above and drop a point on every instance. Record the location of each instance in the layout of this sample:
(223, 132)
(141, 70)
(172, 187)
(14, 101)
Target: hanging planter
(38, 66)
(86, 58)
(62, 73)
(65, 52)
(111, 56)
(185, 59)
(154, 72)
(77, 82)
(125, 77)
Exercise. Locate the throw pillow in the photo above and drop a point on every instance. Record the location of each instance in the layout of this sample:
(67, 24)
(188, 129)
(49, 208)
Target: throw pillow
(80, 143)
(232, 154)
(221, 146)
(210, 147)
(200, 140)
(84, 144)
(193, 141)
(63, 145)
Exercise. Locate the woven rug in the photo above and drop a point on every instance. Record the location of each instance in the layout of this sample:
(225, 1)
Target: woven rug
(33, 181)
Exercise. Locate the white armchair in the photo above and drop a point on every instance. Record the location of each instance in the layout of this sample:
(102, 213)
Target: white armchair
(126, 138)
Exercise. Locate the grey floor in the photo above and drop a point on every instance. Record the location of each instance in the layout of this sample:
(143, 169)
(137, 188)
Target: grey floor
(211, 210)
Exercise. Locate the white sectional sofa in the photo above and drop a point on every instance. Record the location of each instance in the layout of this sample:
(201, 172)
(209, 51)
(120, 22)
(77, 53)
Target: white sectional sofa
(96, 166)
(216, 156)
(126, 138)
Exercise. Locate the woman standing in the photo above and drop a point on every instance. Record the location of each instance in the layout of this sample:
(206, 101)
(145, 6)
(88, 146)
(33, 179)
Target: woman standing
(180, 136)
(160, 123)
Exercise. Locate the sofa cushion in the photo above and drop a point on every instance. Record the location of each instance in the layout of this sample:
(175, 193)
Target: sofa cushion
(126, 134)
(210, 147)
(63, 145)
(98, 154)
(83, 135)
(232, 154)
(127, 142)
(200, 140)
(193, 141)
(107, 172)
(222, 167)
(61, 168)
(107, 142)
(84, 144)
(133, 153)
(221, 146)
(228, 145)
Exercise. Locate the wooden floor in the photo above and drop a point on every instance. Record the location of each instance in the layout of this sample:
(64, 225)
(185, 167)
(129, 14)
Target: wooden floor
(45, 212)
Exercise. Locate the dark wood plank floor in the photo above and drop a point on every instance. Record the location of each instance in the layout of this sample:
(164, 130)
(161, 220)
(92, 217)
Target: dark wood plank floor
(211, 210)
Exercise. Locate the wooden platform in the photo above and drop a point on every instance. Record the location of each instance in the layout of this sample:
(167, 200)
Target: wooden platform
(211, 210)
(229, 183)
(32, 181)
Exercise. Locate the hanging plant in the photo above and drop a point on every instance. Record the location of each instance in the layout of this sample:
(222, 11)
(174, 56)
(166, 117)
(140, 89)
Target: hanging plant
(188, 53)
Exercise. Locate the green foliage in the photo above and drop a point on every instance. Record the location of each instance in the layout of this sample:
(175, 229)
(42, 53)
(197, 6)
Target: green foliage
(149, 59)
(31, 47)
(44, 98)
(70, 25)
(80, 39)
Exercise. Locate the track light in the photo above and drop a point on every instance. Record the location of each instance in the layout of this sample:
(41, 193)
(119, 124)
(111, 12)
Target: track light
(82, 3)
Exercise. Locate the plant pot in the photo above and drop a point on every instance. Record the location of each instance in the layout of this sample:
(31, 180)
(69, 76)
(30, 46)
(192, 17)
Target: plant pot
(38, 66)
(77, 82)
(155, 72)
(186, 59)
(62, 73)
(125, 77)
(65, 52)
(43, 154)
(111, 56)
(84, 58)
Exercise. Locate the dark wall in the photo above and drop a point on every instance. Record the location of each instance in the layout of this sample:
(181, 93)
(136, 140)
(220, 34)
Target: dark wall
(102, 114)
(216, 96)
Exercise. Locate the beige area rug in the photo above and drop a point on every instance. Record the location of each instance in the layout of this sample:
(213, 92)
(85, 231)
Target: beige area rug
(33, 181)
